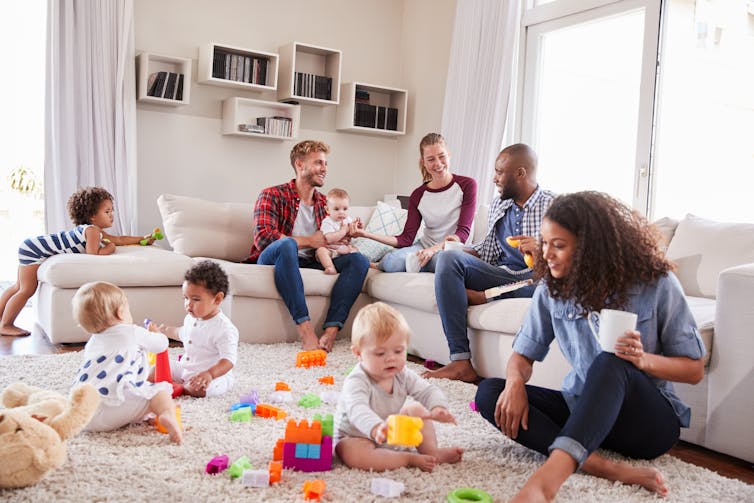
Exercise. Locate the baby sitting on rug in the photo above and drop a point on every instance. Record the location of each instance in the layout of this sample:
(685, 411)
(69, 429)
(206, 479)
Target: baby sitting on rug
(376, 388)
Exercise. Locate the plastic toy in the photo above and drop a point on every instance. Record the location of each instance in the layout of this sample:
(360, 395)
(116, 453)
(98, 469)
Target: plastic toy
(241, 415)
(277, 451)
(430, 364)
(404, 430)
(238, 467)
(35, 424)
(309, 400)
(466, 494)
(326, 380)
(255, 478)
(472, 406)
(281, 386)
(264, 410)
(329, 396)
(240, 405)
(281, 397)
(156, 235)
(515, 243)
(315, 358)
(327, 424)
(276, 471)
(313, 489)
(252, 397)
(387, 488)
(217, 464)
(306, 447)
(161, 428)
(161, 363)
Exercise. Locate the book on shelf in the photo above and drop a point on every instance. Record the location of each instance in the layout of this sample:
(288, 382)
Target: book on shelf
(362, 96)
(251, 128)
(179, 88)
(170, 86)
(308, 85)
(218, 64)
(158, 85)
(376, 117)
(276, 126)
(247, 65)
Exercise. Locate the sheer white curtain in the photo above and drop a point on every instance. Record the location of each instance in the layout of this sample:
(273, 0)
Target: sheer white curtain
(480, 79)
(90, 113)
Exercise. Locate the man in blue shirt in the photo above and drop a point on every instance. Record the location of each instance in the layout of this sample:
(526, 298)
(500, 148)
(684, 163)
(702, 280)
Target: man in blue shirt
(461, 276)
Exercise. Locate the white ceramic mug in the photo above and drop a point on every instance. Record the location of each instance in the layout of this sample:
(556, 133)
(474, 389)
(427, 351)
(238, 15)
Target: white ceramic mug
(412, 263)
(613, 324)
(454, 245)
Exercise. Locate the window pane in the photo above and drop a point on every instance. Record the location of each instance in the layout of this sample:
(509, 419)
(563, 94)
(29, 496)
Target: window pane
(705, 129)
(585, 123)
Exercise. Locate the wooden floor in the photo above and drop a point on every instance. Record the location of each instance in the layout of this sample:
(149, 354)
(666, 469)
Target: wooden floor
(37, 343)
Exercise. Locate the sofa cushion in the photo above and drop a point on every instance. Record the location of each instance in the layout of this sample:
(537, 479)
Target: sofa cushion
(197, 227)
(129, 266)
(666, 226)
(416, 290)
(504, 315)
(386, 220)
(703, 311)
(703, 248)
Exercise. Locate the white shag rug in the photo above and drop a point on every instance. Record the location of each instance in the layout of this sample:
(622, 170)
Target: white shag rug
(137, 463)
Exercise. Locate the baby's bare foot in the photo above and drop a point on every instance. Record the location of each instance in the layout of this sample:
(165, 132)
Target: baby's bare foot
(424, 462)
(13, 331)
(448, 454)
(170, 423)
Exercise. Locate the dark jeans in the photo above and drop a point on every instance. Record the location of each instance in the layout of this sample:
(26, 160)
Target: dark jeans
(620, 409)
(353, 267)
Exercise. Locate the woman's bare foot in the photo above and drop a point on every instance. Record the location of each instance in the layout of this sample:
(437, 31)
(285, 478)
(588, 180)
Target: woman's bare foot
(649, 478)
(448, 454)
(170, 423)
(13, 331)
(330, 270)
(424, 462)
(530, 495)
(458, 370)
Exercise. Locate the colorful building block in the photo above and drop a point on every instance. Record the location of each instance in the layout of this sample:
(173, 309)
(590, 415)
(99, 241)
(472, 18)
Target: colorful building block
(316, 358)
(404, 430)
(240, 405)
(472, 406)
(277, 451)
(302, 432)
(323, 464)
(255, 478)
(238, 467)
(329, 396)
(313, 489)
(161, 428)
(241, 415)
(265, 410)
(326, 380)
(387, 488)
(252, 397)
(276, 471)
(281, 397)
(310, 400)
(217, 464)
(327, 424)
(281, 386)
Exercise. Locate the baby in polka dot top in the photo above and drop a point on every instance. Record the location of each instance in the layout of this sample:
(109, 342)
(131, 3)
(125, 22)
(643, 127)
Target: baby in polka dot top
(115, 362)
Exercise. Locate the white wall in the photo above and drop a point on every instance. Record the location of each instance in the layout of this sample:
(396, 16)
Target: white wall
(394, 43)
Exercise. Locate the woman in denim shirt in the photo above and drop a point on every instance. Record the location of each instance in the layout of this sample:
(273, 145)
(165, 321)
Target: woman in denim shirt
(596, 253)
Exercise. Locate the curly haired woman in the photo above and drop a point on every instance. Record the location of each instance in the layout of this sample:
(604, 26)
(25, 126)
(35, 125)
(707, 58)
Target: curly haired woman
(596, 253)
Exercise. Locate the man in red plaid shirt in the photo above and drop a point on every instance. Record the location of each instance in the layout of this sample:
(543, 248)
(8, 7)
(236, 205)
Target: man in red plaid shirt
(287, 218)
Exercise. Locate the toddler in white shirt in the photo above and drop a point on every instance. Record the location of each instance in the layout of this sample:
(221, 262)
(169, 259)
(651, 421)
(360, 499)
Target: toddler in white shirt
(335, 229)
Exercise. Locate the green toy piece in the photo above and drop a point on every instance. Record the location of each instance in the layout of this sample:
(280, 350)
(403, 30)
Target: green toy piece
(156, 235)
(310, 400)
(465, 494)
(238, 466)
(327, 424)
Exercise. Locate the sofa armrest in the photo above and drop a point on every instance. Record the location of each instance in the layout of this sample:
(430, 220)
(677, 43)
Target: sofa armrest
(731, 375)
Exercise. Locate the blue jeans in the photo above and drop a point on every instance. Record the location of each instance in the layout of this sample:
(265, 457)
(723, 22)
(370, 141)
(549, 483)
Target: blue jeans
(620, 409)
(353, 267)
(395, 261)
(456, 271)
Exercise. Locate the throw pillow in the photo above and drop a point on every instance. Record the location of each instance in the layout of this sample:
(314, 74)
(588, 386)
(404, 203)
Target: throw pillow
(386, 220)
(703, 248)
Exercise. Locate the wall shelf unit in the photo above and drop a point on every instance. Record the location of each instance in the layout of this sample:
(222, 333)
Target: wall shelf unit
(309, 74)
(238, 111)
(164, 80)
(229, 66)
(372, 109)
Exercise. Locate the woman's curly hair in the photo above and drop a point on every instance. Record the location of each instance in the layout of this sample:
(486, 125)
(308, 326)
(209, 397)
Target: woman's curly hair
(615, 249)
(84, 203)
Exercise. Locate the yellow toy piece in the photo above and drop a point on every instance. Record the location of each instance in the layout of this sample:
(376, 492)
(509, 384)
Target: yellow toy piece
(404, 430)
(529, 260)
(515, 243)
(161, 428)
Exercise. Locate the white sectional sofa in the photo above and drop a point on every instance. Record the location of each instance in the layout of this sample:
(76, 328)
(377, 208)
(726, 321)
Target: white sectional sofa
(715, 266)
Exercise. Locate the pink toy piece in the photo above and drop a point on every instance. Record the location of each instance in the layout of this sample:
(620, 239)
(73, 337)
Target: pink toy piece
(321, 464)
(472, 406)
(430, 364)
(217, 464)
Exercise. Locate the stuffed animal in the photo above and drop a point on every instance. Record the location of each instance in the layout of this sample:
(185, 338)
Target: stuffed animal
(34, 426)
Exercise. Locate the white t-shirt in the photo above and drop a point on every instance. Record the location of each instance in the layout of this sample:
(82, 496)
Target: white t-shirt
(304, 225)
(206, 342)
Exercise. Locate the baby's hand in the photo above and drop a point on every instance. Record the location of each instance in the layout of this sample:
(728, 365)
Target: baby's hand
(153, 327)
(442, 415)
(379, 433)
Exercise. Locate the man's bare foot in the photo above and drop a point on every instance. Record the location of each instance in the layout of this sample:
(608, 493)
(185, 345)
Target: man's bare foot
(448, 454)
(649, 478)
(374, 265)
(309, 342)
(330, 270)
(327, 340)
(458, 370)
(475, 297)
(13, 331)
(170, 423)
(424, 462)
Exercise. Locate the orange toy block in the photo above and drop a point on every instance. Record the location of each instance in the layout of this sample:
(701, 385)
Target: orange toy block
(302, 433)
(404, 430)
(313, 489)
(277, 451)
(264, 410)
(276, 471)
(327, 380)
(161, 428)
(281, 386)
(316, 358)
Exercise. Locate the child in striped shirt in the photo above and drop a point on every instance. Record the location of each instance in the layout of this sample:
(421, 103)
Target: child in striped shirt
(91, 210)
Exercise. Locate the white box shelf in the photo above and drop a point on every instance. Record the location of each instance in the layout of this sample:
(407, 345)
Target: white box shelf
(238, 59)
(148, 65)
(237, 111)
(379, 96)
(309, 60)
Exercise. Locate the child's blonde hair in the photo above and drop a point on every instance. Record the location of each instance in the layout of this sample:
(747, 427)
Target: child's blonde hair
(96, 304)
(337, 193)
(378, 320)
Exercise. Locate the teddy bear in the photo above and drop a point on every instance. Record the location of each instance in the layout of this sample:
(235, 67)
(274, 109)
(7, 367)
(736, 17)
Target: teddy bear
(34, 426)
